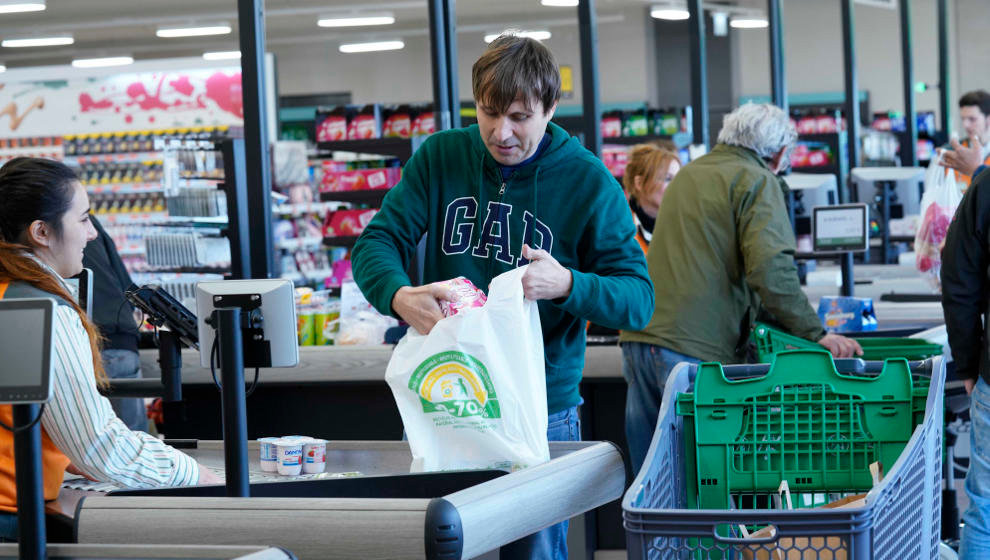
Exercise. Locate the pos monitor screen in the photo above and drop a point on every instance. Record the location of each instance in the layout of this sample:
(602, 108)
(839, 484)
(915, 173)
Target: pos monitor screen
(840, 228)
(269, 302)
(26, 350)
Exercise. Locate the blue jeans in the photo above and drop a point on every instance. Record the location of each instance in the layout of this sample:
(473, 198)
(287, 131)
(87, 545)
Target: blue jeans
(125, 364)
(8, 527)
(550, 543)
(645, 367)
(976, 534)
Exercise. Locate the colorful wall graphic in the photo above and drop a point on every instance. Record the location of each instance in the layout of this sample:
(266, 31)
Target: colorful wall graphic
(138, 101)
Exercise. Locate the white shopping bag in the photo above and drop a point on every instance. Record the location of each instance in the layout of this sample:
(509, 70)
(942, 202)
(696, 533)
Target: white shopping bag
(938, 206)
(472, 393)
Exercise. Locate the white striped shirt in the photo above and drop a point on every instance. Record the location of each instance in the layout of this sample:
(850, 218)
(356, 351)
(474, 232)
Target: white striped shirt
(81, 423)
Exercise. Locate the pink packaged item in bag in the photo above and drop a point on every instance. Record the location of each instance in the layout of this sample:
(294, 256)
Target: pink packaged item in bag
(466, 295)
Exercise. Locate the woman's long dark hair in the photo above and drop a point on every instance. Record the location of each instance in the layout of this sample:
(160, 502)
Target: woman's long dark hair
(38, 189)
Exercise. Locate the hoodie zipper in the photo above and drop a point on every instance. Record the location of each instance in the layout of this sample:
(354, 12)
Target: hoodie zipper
(491, 256)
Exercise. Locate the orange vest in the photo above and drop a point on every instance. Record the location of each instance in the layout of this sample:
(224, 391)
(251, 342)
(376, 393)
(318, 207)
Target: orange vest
(643, 244)
(53, 461)
(964, 180)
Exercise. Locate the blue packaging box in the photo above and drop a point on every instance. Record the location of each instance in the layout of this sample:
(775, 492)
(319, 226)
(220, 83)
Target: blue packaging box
(840, 314)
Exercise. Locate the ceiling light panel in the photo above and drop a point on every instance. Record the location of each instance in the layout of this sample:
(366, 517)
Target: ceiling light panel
(102, 62)
(371, 47)
(222, 55)
(670, 14)
(559, 3)
(748, 23)
(199, 31)
(13, 7)
(38, 41)
(356, 21)
(539, 35)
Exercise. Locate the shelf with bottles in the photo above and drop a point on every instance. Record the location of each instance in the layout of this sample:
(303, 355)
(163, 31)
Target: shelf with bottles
(49, 147)
(131, 145)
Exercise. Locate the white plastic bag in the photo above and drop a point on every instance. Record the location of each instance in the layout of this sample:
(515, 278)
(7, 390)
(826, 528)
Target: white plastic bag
(938, 206)
(472, 393)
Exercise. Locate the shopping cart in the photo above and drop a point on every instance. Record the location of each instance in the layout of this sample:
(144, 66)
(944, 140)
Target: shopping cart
(769, 341)
(899, 519)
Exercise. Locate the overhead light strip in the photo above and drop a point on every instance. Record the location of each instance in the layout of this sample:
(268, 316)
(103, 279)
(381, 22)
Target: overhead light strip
(17, 7)
(748, 23)
(371, 47)
(539, 35)
(37, 42)
(222, 55)
(102, 62)
(356, 21)
(202, 31)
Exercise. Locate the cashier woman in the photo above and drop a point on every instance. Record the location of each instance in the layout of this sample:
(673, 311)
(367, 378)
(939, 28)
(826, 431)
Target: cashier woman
(44, 226)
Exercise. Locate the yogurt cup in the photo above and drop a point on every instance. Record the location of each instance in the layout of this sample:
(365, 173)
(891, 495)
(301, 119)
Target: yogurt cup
(314, 453)
(289, 456)
(269, 453)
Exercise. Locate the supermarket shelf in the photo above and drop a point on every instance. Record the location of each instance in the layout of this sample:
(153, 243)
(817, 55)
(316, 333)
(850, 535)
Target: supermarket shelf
(302, 208)
(132, 218)
(401, 148)
(367, 195)
(825, 169)
(342, 241)
(300, 243)
(124, 157)
(311, 276)
(630, 140)
(823, 137)
(125, 188)
(131, 250)
(224, 270)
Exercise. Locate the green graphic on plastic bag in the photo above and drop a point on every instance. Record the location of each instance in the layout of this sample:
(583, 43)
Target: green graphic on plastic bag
(457, 384)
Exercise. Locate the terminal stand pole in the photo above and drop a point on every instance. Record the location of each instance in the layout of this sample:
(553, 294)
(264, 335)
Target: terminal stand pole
(883, 190)
(848, 280)
(30, 501)
(170, 361)
(233, 401)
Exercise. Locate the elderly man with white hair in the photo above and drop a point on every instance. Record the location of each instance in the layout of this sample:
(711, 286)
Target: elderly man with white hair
(722, 252)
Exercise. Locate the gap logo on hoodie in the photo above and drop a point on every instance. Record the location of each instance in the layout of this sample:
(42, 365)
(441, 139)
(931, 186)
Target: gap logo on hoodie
(494, 238)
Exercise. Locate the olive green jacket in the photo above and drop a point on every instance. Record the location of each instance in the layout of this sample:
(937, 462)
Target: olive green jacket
(723, 247)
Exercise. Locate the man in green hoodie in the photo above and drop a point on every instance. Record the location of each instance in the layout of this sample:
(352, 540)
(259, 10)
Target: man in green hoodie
(514, 189)
(722, 251)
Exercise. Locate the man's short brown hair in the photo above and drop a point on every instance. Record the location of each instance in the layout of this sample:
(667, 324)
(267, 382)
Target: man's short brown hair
(513, 67)
(979, 99)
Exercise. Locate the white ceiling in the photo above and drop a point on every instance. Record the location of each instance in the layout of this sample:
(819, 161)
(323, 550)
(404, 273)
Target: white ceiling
(127, 27)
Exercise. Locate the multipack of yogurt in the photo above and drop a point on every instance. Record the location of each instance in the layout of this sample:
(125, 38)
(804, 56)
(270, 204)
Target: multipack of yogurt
(293, 455)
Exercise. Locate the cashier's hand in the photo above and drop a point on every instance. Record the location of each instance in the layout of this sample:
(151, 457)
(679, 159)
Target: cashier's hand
(420, 306)
(545, 278)
(840, 346)
(206, 476)
(964, 159)
(72, 469)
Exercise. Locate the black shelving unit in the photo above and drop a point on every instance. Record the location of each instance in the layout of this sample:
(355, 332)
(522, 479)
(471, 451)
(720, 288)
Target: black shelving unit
(341, 241)
(632, 140)
(400, 148)
(369, 196)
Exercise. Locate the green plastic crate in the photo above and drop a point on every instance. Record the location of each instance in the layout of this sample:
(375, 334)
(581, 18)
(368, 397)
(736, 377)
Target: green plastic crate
(769, 341)
(802, 422)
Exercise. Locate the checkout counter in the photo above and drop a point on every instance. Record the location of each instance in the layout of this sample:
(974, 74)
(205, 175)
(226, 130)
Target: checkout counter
(386, 512)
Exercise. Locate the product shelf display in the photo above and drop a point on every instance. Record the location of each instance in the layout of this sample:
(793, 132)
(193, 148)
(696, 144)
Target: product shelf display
(39, 146)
